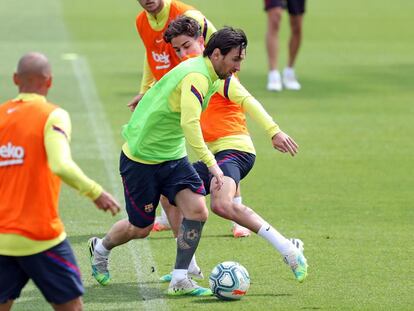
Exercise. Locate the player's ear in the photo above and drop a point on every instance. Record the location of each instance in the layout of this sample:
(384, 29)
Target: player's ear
(16, 78)
(201, 41)
(49, 82)
(216, 53)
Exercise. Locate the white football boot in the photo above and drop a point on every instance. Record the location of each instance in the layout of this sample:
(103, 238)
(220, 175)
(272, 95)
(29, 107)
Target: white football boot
(289, 80)
(274, 81)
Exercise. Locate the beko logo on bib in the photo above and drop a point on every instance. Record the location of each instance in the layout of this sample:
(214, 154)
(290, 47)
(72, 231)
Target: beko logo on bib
(161, 58)
(11, 155)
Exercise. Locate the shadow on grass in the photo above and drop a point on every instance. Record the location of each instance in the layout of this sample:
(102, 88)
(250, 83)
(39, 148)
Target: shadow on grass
(216, 300)
(123, 292)
(83, 239)
(204, 236)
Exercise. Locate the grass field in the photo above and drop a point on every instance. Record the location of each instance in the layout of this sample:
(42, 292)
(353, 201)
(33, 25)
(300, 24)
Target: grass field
(348, 194)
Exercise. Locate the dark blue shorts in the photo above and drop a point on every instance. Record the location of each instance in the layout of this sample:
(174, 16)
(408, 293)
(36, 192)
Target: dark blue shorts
(54, 271)
(295, 7)
(234, 164)
(144, 183)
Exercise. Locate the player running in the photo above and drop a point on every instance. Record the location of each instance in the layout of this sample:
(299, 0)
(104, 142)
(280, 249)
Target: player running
(224, 129)
(154, 159)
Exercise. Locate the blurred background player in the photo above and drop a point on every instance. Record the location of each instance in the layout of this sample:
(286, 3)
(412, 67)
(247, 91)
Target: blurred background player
(34, 157)
(224, 129)
(154, 159)
(274, 9)
(161, 58)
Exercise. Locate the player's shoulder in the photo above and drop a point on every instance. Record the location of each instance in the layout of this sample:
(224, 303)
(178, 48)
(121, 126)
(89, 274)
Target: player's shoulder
(5, 105)
(59, 114)
(196, 78)
(141, 17)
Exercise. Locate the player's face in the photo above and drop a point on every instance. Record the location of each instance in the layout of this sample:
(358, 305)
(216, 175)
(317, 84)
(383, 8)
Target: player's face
(152, 6)
(186, 46)
(229, 64)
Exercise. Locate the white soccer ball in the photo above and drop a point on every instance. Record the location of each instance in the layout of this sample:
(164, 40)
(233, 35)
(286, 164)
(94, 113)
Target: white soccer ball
(229, 280)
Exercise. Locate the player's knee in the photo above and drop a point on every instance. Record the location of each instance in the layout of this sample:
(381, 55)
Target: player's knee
(274, 20)
(138, 233)
(201, 213)
(274, 27)
(296, 29)
(196, 211)
(222, 208)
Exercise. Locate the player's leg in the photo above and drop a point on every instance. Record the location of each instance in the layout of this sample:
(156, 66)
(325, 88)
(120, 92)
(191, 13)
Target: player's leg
(175, 218)
(274, 10)
(184, 188)
(296, 10)
(235, 166)
(162, 222)
(238, 230)
(141, 199)
(222, 205)
(296, 22)
(120, 233)
(195, 215)
(202, 170)
(173, 214)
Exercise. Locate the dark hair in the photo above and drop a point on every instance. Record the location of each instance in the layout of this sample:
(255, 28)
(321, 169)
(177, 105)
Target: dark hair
(226, 39)
(182, 25)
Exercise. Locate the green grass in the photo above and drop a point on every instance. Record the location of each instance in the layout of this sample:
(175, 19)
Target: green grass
(348, 194)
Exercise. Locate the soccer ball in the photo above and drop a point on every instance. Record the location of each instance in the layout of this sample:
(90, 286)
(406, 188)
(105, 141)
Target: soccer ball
(229, 280)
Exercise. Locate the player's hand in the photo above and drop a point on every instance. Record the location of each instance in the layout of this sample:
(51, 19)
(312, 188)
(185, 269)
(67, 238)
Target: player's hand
(282, 142)
(216, 171)
(134, 102)
(107, 202)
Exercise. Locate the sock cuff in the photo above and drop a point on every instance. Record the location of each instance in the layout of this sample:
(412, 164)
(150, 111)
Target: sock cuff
(237, 200)
(264, 228)
(101, 249)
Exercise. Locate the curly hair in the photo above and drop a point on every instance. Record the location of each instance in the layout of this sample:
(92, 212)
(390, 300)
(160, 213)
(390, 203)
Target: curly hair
(182, 25)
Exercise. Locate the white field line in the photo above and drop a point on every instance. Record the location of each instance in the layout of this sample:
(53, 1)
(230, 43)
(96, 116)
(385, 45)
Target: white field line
(140, 250)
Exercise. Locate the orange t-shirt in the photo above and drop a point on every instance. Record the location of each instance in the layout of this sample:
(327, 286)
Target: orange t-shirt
(222, 117)
(29, 191)
(161, 56)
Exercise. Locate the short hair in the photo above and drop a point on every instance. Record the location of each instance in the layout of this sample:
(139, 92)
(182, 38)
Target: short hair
(182, 25)
(225, 40)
